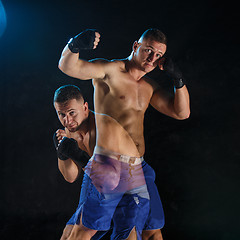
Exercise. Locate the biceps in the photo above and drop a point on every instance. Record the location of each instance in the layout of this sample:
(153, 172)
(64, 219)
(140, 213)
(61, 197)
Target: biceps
(162, 103)
(87, 70)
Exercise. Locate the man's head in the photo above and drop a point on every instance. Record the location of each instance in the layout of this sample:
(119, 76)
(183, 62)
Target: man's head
(71, 109)
(150, 47)
(155, 35)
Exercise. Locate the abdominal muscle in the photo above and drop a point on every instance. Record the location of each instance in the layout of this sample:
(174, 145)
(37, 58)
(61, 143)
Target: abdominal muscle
(113, 137)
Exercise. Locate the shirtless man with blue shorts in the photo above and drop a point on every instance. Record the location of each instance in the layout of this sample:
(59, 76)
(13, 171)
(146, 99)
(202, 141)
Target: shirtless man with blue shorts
(75, 143)
(72, 144)
(121, 97)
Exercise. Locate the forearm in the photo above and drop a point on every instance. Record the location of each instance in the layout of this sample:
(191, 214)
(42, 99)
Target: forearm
(181, 103)
(69, 169)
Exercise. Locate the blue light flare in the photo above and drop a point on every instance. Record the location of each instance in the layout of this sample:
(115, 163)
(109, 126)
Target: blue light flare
(3, 19)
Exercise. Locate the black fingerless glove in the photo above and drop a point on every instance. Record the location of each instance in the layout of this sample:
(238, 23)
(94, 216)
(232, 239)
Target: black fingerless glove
(174, 72)
(84, 40)
(56, 143)
(69, 147)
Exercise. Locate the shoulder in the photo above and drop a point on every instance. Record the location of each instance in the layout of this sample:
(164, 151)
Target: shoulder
(112, 67)
(109, 65)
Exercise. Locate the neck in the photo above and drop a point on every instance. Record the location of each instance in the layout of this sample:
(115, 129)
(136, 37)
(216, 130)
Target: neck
(133, 68)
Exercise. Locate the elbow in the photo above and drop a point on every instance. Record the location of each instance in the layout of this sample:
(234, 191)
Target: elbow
(70, 176)
(68, 170)
(70, 179)
(61, 66)
(183, 115)
(64, 66)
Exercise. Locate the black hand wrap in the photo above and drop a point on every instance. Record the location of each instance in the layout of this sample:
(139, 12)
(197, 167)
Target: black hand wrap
(174, 72)
(56, 143)
(84, 40)
(69, 147)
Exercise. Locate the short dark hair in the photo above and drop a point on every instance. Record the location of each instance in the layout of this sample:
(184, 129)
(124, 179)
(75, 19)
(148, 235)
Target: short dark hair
(155, 34)
(67, 92)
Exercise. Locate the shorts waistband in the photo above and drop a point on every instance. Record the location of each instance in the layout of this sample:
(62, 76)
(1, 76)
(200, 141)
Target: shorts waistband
(118, 156)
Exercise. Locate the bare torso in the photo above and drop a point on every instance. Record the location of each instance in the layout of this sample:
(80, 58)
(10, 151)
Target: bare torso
(120, 104)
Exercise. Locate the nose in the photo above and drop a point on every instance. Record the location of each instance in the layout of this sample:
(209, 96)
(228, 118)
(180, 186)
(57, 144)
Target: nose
(68, 119)
(150, 57)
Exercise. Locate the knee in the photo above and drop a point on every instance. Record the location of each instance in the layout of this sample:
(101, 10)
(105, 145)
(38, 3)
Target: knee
(152, 234)
(81, 232)
(66, 232)
(158, 236)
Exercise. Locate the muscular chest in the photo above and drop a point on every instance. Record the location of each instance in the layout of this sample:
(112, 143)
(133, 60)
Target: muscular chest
(129, 93)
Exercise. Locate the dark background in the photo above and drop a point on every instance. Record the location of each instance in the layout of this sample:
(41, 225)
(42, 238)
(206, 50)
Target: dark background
(196, 160)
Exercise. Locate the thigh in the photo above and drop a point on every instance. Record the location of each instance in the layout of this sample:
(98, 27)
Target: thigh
(130, 216)
(98, 209)
(156, 218)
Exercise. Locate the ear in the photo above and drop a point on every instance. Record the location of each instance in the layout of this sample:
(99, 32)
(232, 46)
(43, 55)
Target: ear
(85, 105)
(135, 46)
(161, 62)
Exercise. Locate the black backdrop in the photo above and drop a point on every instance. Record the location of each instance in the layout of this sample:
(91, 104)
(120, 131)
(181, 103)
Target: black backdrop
(196, 160)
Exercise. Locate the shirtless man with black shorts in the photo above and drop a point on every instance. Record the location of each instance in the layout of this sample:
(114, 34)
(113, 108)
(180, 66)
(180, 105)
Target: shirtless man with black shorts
(121, 97)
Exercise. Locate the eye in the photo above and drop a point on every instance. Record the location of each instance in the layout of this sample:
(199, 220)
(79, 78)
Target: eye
(61, 115)
(148, 50)
(158, 55)
(72, 113)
